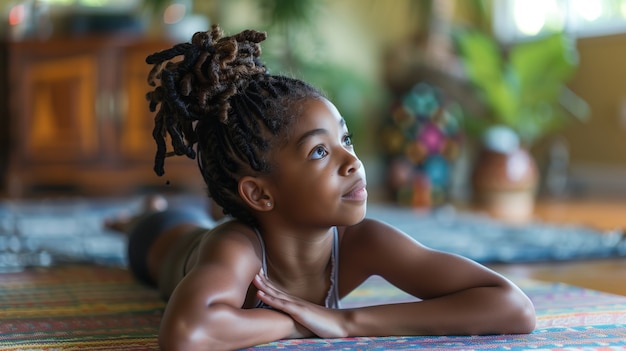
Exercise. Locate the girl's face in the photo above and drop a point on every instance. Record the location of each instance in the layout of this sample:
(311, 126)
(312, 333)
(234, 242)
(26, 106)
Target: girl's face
(319, 180)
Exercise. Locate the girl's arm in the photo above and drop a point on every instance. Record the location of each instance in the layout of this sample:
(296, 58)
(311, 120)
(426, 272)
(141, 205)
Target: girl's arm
(459, 297)
(205, 310)
(485, 307)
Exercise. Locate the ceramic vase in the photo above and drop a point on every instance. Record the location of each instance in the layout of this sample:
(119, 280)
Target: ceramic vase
(504, 184)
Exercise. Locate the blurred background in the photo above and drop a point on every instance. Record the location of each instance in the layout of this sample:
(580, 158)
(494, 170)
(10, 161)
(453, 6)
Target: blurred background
(424, 85)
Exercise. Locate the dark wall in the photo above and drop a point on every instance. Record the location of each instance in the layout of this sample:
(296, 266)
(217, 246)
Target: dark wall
(4, 116)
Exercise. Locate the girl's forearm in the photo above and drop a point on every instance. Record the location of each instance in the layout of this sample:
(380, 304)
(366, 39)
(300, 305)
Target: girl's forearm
(223, 327)
(486, 310)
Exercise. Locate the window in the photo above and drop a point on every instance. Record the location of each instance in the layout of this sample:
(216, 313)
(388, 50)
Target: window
(102, 5)
(516, 20)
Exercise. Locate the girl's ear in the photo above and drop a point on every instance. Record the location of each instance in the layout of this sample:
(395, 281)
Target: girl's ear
(254, 193)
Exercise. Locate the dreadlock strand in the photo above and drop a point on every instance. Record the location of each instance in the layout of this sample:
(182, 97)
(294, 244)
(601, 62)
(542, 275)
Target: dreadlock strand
(155, 74)
(216, 32)
(225, 103)
(228, 50)
(246, 128)
(157, 134)
(168, 83)
(186, 84)
(191, 136)
(199, 66)
(178, 142)
(168, 54)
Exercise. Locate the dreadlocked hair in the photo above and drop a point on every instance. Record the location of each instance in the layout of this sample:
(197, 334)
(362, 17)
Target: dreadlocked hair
(216, 94)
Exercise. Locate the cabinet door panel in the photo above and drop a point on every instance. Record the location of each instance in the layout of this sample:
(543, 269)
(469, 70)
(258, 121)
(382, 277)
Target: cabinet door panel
(60, 123)
(136, 133)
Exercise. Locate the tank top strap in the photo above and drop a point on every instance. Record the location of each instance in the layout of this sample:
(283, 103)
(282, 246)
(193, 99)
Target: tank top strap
(332, 299)
(263, 259)
(259, 303)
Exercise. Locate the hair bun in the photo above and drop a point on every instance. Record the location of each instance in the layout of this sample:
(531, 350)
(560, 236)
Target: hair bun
(199, 86)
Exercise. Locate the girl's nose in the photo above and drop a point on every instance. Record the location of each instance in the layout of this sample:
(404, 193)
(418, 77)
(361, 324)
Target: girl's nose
(351, 163)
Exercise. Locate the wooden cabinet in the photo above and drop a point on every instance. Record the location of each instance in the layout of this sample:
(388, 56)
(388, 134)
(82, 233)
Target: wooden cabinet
(78, 119)
(58, 123)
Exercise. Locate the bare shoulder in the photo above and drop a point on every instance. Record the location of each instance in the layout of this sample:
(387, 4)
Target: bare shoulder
(225, 263)
(230, 240)
(373, 247)
(372, 236)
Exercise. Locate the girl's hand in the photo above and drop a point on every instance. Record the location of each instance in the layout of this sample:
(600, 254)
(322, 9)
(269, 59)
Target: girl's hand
(323, 322)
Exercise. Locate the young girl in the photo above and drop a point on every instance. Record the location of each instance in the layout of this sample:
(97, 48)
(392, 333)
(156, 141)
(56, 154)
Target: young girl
(278, 158)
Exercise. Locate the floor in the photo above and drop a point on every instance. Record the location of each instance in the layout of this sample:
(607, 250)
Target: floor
(604, 275)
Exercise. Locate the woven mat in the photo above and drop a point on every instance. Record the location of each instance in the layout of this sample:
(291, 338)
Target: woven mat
(77, 308)
(103, 308)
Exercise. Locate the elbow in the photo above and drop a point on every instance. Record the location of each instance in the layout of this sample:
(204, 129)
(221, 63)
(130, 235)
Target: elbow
(520, 321)
(521, 316)
(190, 334)
(178, 336)
(526, 319)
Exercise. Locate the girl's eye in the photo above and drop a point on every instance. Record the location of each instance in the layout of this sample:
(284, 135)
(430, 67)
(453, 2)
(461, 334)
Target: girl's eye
(318, 153)
(347, 139)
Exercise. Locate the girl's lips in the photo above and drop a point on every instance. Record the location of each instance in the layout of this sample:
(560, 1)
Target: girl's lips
(358, 193)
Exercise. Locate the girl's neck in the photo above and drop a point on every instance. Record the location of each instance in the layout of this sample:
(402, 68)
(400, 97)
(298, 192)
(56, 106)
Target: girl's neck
(296, 257)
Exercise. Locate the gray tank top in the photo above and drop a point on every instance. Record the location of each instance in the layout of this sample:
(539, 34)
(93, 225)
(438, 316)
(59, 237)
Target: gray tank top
(332, 298)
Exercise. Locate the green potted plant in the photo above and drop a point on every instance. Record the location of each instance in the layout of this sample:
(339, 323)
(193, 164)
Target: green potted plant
(522, 87)
(522, 94)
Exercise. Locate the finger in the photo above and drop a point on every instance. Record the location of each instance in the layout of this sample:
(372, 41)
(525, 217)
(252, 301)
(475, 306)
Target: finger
(309, 315)
(269, 299)
(287, 306)
(263, 279)
(269, 294)
(262, 283)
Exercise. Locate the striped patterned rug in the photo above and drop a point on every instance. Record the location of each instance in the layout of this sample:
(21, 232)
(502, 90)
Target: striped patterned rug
(77, 308)
(103, 308)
